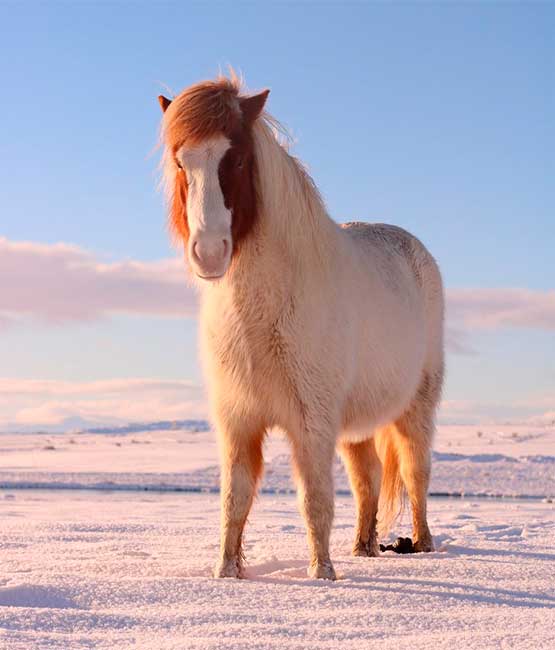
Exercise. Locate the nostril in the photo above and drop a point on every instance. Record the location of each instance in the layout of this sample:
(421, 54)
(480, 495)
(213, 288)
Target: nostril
(226, 247)
(195, 252)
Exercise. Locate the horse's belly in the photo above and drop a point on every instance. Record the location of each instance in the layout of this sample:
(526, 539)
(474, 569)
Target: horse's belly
(357, 433)
(365, 425)
(373, 404)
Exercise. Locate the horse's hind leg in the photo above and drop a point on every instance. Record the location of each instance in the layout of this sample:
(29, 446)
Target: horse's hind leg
(364, 469)
(413, 434)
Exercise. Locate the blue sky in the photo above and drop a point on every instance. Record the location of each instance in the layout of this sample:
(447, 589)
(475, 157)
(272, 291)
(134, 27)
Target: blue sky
(436, 117)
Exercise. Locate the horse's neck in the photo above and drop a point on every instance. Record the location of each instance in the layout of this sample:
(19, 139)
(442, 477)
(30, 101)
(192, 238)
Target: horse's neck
(273, 267)
(292, 247)
(294, 224)
(260, 281)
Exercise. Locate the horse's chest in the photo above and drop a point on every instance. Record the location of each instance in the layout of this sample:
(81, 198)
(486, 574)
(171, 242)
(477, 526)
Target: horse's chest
(249, 352)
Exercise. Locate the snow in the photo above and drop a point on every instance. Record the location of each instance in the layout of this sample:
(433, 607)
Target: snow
(122, 568)
(129, 570)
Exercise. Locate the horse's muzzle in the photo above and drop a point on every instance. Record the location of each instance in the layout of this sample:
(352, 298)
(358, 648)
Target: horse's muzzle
(210, 256)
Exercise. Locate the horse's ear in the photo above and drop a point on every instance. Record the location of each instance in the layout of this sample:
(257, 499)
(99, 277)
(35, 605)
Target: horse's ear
(164, 102)
(251, 107)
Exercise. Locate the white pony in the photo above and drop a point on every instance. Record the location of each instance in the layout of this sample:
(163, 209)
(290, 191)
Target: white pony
(332, 333)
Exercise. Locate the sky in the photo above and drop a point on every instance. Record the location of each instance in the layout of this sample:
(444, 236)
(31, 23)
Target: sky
(438, 117)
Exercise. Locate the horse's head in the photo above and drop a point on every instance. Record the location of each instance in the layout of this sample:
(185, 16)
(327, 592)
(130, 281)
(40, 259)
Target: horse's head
(210, 171)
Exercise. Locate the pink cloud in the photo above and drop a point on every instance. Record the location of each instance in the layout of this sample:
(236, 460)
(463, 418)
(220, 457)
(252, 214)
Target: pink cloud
(532, 410)
(106, 386)
(500, 308)
(60, 283)
(456, 341)
(5, 322)
(39, 403)
(29, 404)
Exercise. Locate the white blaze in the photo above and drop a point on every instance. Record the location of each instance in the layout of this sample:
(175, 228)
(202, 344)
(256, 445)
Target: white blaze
(208, 218)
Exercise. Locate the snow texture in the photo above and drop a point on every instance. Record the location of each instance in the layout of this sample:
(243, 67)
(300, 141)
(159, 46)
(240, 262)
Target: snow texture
(130, 570)
(119, 568)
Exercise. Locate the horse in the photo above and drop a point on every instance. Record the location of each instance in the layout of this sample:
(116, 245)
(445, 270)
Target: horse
(331, 333)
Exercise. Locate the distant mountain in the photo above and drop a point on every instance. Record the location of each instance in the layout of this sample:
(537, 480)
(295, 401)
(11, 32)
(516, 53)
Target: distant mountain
(67, 425)
(78, 425)
(161, 425)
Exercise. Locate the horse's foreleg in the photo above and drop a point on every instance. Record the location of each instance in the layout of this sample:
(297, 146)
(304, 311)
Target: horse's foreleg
(364, 469)
(313, 459)
(241, 468)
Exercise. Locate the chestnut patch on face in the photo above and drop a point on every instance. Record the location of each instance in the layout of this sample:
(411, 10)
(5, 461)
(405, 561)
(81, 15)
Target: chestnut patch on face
(237, 175)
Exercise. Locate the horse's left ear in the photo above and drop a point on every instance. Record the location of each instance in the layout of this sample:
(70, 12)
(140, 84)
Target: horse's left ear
(251, 107)
(164, 102)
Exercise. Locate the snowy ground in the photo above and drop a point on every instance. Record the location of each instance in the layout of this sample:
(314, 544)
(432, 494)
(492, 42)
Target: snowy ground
(125, 570)
(120, 568)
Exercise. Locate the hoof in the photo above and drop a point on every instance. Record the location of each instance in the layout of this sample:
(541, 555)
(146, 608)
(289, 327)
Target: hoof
(424, 546)
(324, 571)
(368, 549)
(228, 569)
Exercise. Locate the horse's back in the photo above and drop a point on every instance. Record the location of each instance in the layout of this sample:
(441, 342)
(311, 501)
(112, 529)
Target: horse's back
(393, 240)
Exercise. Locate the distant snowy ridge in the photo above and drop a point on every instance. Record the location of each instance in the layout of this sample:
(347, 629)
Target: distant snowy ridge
(161, 425)
(454, 474)
(77, 426)
(182, 456)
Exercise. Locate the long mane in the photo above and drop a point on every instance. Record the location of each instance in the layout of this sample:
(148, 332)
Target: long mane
(288, 193)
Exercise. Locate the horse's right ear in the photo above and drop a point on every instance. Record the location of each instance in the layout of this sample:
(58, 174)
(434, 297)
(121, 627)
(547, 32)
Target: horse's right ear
(164, 102)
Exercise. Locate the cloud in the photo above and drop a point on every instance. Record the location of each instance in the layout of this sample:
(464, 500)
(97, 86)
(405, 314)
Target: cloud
(42, 387)
(29, 403)
(463, 411)
(456, 341)
(490, 309)
(62, 283)
(535, 410)
(6, 322)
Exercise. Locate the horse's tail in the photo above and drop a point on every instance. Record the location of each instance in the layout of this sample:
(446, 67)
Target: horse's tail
(392, 489)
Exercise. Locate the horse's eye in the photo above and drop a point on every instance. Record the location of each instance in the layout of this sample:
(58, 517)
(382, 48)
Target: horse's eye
(179, 165)
(239, 163)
